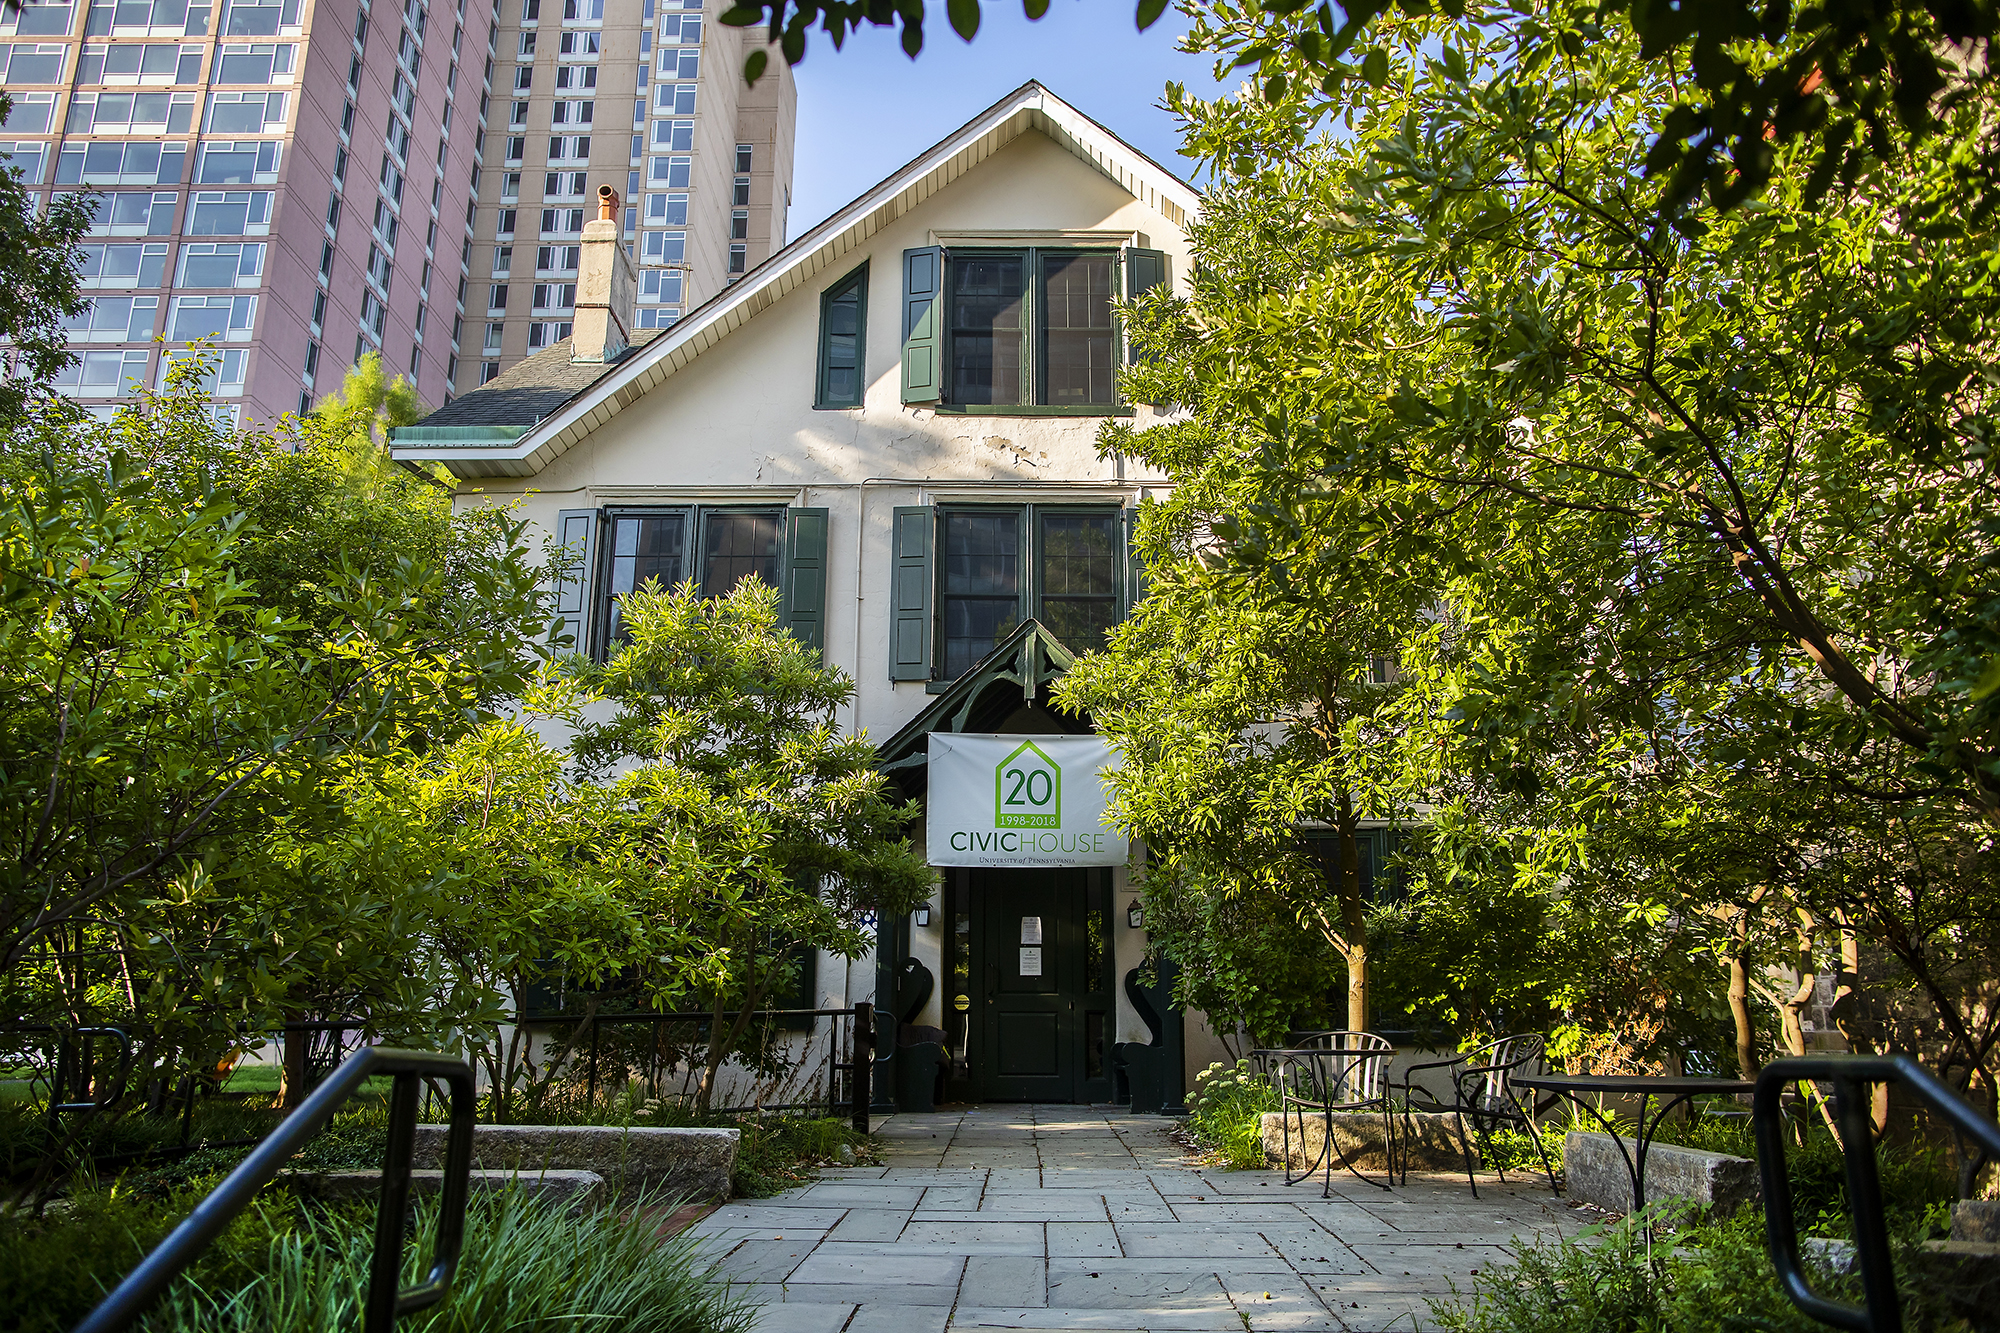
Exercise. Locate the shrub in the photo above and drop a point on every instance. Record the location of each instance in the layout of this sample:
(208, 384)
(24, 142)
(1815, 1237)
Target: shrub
(1603, 1281)
(284, 1267)
(1225, 1113)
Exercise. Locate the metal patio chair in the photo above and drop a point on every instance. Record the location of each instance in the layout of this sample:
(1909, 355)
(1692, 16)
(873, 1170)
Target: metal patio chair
(1482, 1091)
(1334, 1072)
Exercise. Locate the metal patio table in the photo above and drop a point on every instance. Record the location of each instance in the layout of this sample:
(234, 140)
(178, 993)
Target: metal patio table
(1675, 1089)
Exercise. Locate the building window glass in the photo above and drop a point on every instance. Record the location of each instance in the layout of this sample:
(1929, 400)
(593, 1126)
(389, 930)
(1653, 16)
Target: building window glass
(843, 316)
(1031, 327)
(998, 566)
(732, 545)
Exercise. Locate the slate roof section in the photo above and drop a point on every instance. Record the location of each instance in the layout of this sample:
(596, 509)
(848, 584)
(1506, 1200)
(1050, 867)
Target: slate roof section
(529, 390)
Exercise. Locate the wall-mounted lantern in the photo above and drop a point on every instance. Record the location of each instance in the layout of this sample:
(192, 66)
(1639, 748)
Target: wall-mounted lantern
(922, 916)
(1135, 916)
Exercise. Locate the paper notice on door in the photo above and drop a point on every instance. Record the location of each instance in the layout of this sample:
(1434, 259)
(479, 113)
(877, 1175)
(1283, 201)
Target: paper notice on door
(1031, 962)
(1031, 930)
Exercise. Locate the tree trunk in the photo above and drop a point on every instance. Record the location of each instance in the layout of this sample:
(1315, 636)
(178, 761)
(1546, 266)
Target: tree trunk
(1353, 919)
(1739, 1000)
(1846, 989)
(292, 1074)
(1791, 1014)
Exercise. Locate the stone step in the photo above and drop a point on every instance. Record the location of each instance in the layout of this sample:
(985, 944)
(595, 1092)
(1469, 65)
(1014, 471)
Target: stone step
(573, 1191)
(1597, 1174)
(690, 1165)
(1430, 1138)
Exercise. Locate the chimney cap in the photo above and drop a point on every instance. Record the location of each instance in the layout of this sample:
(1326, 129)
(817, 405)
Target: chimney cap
(607, 204)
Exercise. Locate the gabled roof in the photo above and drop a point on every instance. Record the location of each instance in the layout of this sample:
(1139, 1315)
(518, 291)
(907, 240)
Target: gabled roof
(1029, 107)
(521, 395)
(1015, 676)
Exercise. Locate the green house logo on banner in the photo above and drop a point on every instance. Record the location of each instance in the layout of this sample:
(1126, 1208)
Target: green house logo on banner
(1027, 790)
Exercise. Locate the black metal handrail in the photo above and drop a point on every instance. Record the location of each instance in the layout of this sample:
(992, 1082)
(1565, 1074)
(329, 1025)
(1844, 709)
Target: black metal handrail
(384, 1301)
(1850, 1075)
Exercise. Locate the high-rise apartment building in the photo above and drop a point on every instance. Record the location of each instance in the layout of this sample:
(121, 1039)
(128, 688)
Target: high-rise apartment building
(290, 179)
(703, 165)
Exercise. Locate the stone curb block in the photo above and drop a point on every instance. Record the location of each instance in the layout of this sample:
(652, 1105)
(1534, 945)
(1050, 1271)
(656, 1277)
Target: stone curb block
(1976, 1220)
(1597, 1175)
(1432, 1140)
(572, 1191)
(687, 1164)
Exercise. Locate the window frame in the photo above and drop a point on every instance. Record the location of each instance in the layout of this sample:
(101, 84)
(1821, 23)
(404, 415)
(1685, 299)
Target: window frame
(857, 281)
(698, 516)
(1034, 346)
(1029, 595)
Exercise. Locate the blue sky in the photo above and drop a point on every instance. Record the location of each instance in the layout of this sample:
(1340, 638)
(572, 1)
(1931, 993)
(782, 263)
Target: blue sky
(868, 108)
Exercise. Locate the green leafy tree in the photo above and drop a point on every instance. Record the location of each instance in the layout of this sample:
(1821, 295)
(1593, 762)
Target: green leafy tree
(526, 878)
(1705, 509)
(1747, 79)
(722, 740)
(169, 729)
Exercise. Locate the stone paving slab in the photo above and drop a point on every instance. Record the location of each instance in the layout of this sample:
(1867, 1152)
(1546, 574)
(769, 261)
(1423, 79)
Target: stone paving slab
(1048, 1218)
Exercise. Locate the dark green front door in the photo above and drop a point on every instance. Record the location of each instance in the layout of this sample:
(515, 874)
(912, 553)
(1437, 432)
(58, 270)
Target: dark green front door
(1041, 947)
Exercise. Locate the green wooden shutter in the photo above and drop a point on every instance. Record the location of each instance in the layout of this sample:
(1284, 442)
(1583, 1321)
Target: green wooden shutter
(576, 529)
(910, 593)
(805, 576)
(1144, 270)
(1135, 572)
(923, 324)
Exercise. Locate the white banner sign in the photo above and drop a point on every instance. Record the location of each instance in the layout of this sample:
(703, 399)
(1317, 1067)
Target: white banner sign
(1019, 801)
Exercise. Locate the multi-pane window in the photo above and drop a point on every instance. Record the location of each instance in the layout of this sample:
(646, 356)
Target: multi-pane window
(131, 62)
(32, 113)
(715, 548)
(220, 265)
(674, 135)
(666, 210)
(128, 113)
(135, 214)
(230, 213)
(572, 113)
(219, 317)
(580, 45)
(557, 258)
(660, 286)
(842, 315)
(576, 77)
(115, 163)
(114, 319)
(1031, 327)
(999, 566)
(674, 99)
(102, 374)
(121, 266)
(665, 247)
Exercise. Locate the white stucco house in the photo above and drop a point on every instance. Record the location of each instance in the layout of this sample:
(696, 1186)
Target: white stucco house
(894, 419)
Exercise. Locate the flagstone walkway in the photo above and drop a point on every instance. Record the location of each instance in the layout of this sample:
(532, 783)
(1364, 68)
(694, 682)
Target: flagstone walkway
(1063, 1217)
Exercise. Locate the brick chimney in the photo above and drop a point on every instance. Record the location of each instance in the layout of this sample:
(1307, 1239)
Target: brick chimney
(606, 284)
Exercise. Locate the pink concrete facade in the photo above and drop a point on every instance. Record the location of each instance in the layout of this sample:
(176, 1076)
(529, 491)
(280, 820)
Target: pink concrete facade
(291, 179)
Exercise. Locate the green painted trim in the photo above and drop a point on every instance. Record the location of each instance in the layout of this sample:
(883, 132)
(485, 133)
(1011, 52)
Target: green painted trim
(457, 435)
(857, 283)
(1031, 410)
